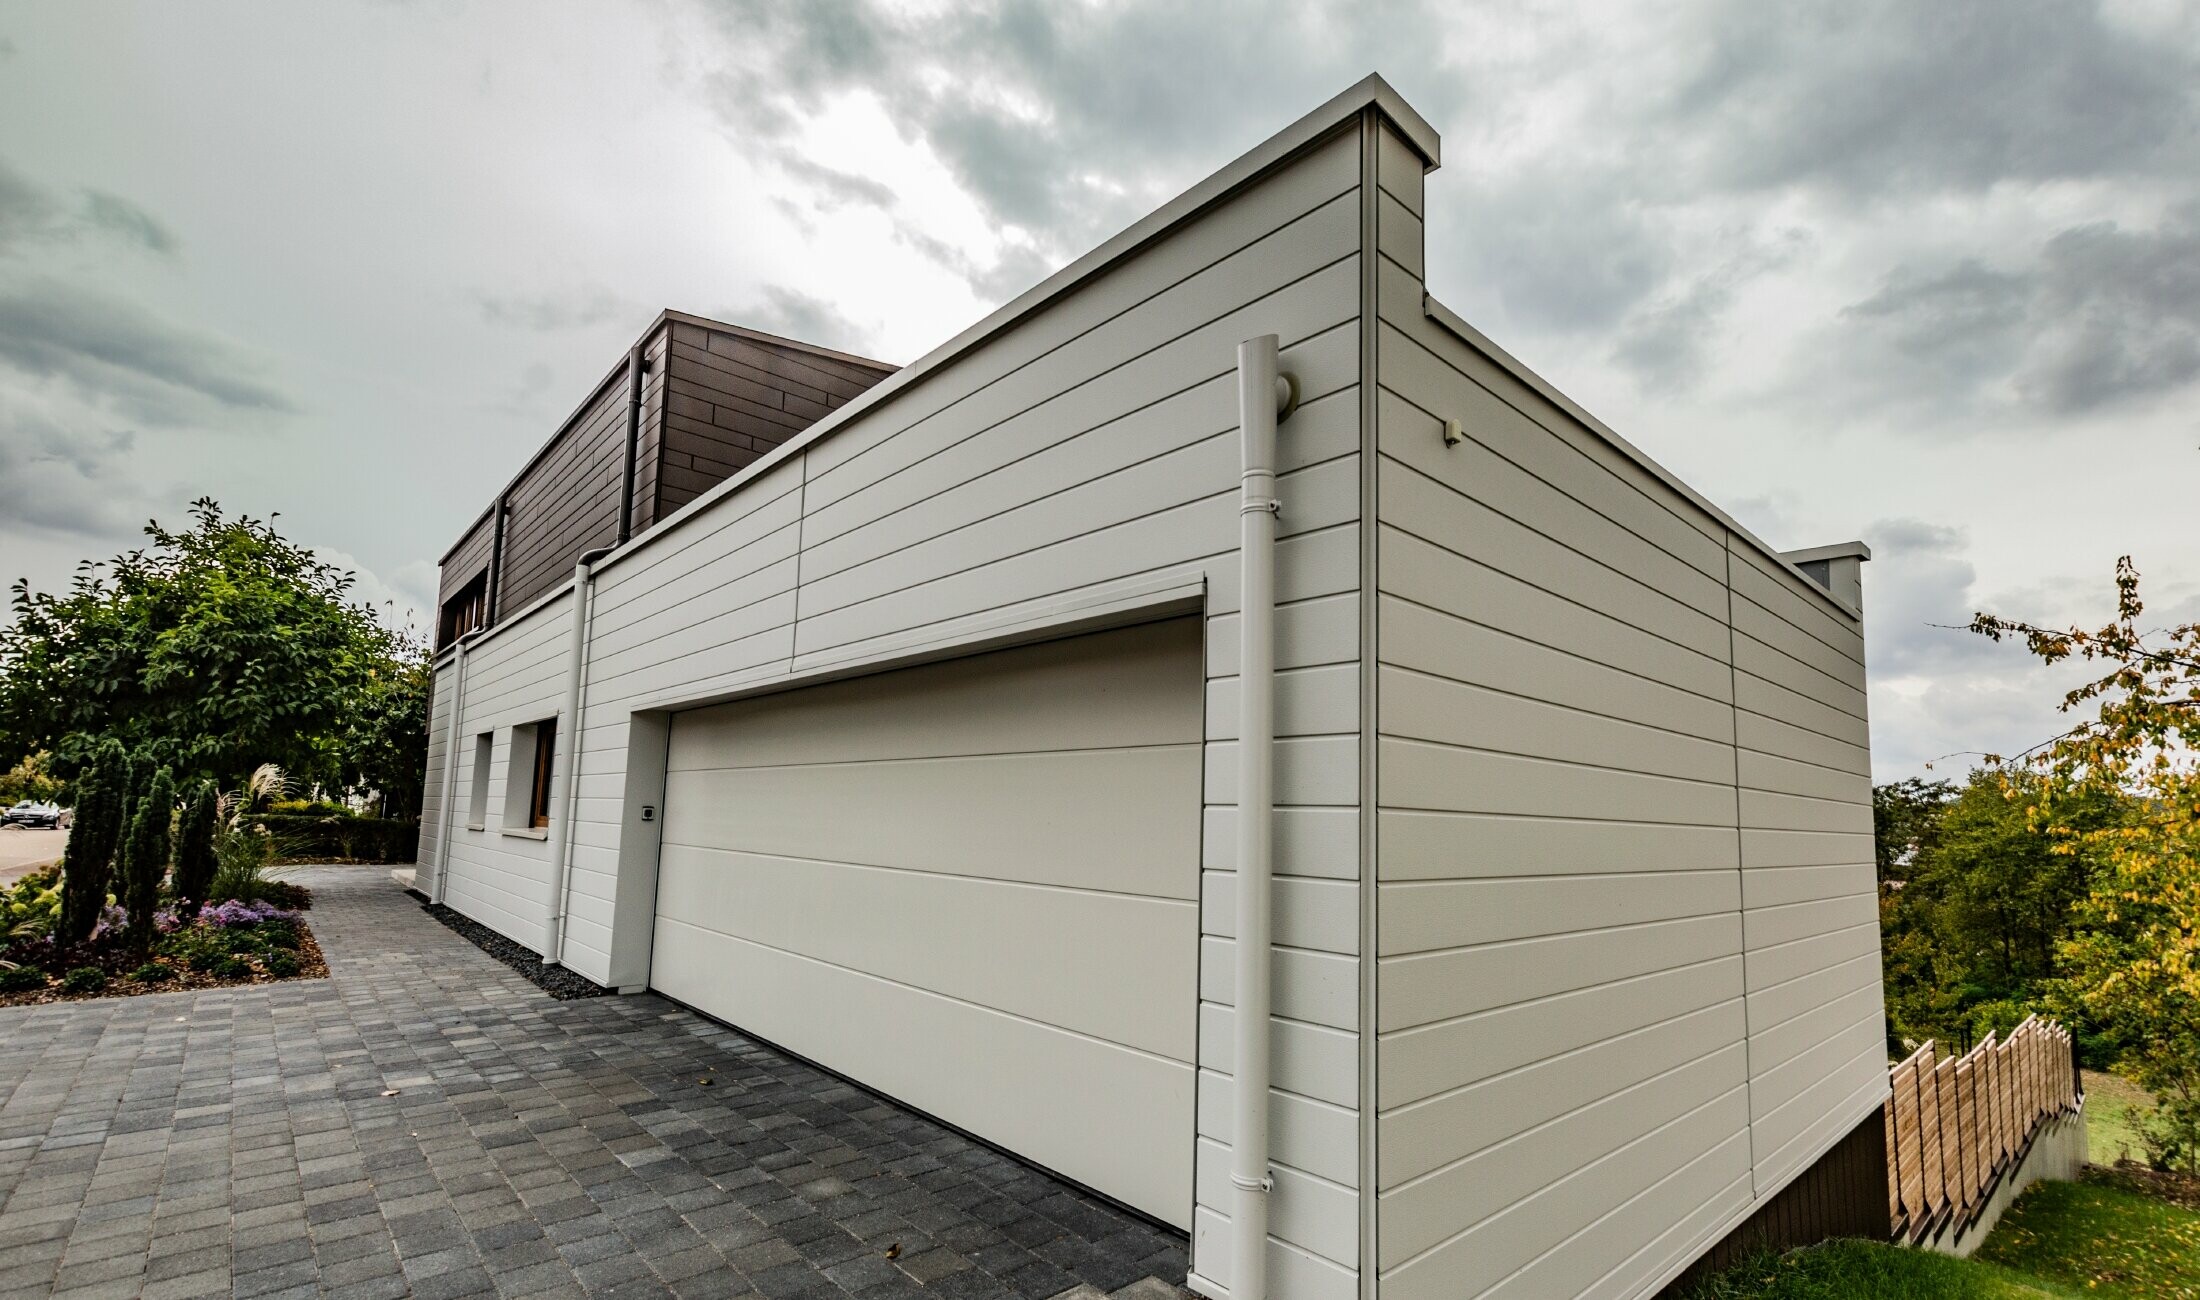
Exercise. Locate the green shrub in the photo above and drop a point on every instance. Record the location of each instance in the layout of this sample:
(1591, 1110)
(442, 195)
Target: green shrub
(280, 963)
(278, 936)
(233, 968)
(94, 838)
(84, 979)
(30, 908)
(240, 855)
(309, 808)
(145, 859)
(152, 972)
(21, 979)
(300, 836)
(195, 861)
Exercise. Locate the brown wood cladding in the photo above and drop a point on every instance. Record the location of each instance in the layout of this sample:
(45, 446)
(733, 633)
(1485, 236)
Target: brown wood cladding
(712, 402)
(1843, 1195)
(567, 503)
(468, 559)
(730, 399)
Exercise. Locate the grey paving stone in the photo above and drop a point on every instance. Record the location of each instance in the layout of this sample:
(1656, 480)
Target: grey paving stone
(236, 1141)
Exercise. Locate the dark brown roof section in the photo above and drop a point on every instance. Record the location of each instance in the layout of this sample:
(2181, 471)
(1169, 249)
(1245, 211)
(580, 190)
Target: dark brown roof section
(713, 398)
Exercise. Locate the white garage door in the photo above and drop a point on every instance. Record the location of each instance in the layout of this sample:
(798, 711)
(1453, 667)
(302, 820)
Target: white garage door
(971, 885)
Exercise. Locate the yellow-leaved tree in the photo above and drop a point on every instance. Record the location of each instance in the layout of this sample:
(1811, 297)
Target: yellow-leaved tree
(2132, 965)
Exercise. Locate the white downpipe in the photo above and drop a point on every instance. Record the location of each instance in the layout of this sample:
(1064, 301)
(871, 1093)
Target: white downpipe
(569, 724)
(450, 767)
(1261, 392)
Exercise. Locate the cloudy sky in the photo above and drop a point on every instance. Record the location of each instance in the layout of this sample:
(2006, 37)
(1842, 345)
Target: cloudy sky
(1922, 273)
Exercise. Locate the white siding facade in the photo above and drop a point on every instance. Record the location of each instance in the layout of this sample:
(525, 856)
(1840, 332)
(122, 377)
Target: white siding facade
(1627, 953)
(1572, 960)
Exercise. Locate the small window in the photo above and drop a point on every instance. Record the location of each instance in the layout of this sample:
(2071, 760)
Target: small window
(477, 808)
(538, 795)
(464, 611)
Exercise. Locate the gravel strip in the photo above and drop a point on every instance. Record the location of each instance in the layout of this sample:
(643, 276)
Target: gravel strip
(556, 981)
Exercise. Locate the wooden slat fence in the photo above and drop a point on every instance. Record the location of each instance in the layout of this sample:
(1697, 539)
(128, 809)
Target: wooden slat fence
(1955, 1126)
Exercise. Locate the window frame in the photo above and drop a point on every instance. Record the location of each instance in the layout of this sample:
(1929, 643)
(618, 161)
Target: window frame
(541, 779)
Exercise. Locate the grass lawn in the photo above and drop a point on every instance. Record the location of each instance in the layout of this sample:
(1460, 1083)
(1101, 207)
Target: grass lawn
(1846, 1270)
(2111, 1103)
(2060, 1240)
(2101, 1238)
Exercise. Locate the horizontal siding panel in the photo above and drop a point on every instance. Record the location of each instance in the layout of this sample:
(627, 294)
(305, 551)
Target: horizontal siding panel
(1320, 914)
(1310, 1060)
(1619, 585)
(1321, 988)
(1424, 988)
(1445, 645)
(1525, 1232)
(1427, 916)
(1323, 842)
(1431, 1133)
(1772, 736)
(1434, 845)
(1421, 1062)
(1312, 1213)
(1416, 706)
(1424, 1213)
(1433, 374)
(1416, 774)
(1819, 952)
(1762, 809)
(1319, 1138)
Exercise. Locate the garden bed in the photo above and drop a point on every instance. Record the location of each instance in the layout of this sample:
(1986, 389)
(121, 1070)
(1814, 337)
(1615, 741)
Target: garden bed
(227, 945)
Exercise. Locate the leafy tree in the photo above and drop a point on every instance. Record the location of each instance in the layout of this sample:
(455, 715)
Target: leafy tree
(1972, 933)
(383, 745)
(88, 861)
(2133, 961)
(210, 650)
(145, 860)
(1905, 822)
(29, 779)
(195, 858)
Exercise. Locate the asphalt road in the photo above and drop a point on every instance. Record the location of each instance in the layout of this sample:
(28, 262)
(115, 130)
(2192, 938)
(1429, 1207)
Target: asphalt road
(23, 850)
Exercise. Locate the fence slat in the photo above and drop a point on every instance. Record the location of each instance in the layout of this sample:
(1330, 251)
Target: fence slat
(1955, 1125)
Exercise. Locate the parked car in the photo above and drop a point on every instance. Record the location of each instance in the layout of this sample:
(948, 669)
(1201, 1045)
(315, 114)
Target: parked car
(28, 813)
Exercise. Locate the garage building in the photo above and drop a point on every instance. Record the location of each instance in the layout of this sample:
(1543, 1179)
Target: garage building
(894, 717)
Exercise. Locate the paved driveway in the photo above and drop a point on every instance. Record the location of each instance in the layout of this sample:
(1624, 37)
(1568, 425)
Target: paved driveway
(24, 850)
(239, 1142)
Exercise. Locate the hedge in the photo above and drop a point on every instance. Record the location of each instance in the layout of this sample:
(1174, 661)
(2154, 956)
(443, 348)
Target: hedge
(304, 837)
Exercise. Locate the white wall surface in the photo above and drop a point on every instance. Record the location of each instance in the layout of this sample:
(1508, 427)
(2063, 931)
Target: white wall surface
(1060, 466)
(1628, 975)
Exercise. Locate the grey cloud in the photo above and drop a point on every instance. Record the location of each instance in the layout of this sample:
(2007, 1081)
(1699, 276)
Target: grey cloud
(797, 315)
(62, 481)
(2102, 316)
(1580, 264)
(32, 214)
(27, 212)
(837, 188)
(1669, 342)
(1058, 120)
(2119, 313)
(1874, 97)
(121, 355)
(126, 220)
(1917, 595)
(549, 312)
